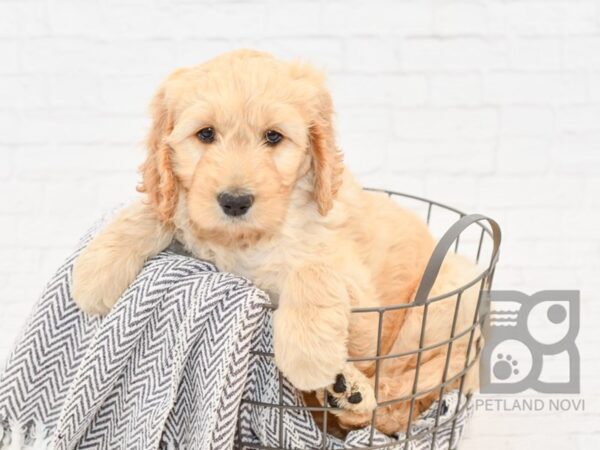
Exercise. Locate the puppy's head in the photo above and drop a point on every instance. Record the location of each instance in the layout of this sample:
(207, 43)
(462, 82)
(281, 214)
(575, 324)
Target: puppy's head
(232, 137)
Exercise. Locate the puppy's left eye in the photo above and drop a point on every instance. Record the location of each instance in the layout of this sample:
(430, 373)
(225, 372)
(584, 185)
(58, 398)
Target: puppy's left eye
(273, 137)
(206, 135)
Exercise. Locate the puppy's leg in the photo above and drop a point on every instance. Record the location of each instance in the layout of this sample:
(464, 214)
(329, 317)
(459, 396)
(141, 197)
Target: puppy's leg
(311, 327)
(114, 257)
(352, 389)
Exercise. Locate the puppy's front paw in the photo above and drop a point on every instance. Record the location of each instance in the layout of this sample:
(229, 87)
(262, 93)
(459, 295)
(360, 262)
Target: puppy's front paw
(88, 303)
(98, 280)
(351, 391)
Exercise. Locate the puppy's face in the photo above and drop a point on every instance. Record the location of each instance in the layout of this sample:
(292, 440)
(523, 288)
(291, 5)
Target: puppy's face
(232, 137)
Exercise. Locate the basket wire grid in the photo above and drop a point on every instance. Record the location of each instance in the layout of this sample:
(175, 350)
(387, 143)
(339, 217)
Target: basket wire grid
(486, 240)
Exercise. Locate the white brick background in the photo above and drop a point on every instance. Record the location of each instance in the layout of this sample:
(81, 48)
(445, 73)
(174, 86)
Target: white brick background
(489, 105)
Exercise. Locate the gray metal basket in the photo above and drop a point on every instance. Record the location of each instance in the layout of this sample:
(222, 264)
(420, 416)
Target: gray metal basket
(486, 239)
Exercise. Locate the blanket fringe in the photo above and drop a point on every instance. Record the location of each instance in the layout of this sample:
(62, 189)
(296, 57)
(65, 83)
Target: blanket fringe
(15, 436)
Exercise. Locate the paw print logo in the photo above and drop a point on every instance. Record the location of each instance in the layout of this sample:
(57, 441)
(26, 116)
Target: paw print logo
(505, 367)
(510, 363)
(522, 331)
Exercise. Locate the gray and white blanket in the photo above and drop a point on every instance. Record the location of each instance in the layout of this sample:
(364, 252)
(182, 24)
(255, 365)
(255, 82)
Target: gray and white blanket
(171, 367)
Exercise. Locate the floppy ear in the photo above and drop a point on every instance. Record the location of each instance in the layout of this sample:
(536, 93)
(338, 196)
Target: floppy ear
(158, 179)
(326, 157)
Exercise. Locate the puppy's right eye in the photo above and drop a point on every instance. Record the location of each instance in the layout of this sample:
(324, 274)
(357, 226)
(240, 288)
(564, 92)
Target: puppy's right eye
(206, 135)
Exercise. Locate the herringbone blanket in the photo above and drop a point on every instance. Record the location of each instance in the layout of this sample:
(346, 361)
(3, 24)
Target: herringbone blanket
(166, 369)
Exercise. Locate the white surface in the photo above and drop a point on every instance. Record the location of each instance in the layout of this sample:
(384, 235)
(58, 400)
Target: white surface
(492, 106)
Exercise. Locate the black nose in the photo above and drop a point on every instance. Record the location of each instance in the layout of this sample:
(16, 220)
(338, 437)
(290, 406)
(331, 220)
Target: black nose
(235, 205)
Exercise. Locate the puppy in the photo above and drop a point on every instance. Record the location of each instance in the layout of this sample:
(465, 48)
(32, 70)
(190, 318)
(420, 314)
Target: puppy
(243, 170)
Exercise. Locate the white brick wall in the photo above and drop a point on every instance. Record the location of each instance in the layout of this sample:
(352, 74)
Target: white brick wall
(489, 105)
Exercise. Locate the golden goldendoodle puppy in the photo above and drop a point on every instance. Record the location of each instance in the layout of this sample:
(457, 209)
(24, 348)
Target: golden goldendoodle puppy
(243, 170)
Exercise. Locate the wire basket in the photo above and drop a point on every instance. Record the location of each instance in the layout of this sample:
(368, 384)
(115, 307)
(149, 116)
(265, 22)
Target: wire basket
(474, 236)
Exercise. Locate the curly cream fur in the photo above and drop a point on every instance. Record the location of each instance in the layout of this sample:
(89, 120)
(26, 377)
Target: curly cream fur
(314, 239)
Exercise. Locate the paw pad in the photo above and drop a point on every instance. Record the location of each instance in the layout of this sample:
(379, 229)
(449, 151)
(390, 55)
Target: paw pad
(355, 397)
(342, 393)
(340, 384)
(331, 401)
(351, 393)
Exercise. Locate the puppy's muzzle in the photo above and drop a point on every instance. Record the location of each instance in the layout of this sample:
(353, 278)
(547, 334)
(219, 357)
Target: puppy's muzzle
(235, 205)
